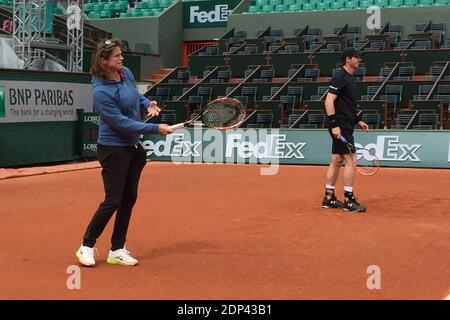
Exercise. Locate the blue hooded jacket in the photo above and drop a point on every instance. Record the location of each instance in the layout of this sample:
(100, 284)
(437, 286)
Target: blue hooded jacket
(119, 104)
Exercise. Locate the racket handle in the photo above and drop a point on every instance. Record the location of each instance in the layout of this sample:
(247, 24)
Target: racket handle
(342, 139)
(177, 126)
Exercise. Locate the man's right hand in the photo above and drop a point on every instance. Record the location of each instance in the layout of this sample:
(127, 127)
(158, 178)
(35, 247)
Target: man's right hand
(164, 129)
(336, 131)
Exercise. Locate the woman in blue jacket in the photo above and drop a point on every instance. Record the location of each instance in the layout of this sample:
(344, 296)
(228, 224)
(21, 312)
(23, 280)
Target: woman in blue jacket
(121, 156)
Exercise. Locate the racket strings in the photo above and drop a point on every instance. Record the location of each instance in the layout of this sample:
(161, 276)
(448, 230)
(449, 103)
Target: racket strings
(365, 160)
(223, 113)
(368, 163)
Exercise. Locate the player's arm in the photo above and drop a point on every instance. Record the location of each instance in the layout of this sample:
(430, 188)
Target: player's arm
(331, 113)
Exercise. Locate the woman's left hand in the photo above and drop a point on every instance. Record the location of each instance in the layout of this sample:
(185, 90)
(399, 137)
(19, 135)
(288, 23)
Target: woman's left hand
(153, 109)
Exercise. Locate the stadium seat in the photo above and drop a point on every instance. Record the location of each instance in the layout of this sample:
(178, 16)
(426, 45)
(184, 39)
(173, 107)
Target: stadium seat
(262, 2)
(428, 119)
(425, 3)
(320, 92)
(105, 14)
(294, 7)
(372, 119)
(108, 6)
(351, 4)
(424, 90)
(365, 3)
(395, 3)
(293, 117)
(135, 13)
(94, 15)
(141, 5)
(323, 6)
(263, 120)
(316, 120)
(309, 6)
(195, 102)
(441, 2)
(288, 101)
(168, 118)
(121, 6)
(250, 93)
(147, 13)
(381, 3)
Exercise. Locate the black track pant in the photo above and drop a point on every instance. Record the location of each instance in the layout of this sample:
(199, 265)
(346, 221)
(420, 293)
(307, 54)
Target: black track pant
(121, 170)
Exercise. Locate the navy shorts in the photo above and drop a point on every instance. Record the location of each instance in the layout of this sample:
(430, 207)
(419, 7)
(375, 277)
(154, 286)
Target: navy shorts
(339, 147)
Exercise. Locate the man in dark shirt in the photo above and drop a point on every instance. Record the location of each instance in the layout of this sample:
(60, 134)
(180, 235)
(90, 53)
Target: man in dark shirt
(341, 109)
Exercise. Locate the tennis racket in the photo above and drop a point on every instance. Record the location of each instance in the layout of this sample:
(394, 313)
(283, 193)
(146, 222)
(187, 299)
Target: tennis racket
(222, 114)
(366, 160)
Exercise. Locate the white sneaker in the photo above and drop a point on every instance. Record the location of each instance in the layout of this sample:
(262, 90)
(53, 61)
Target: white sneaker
(86, 256)
(122, 257)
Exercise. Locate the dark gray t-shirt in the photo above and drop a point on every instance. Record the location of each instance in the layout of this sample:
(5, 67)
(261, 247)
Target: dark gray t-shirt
(343, 85)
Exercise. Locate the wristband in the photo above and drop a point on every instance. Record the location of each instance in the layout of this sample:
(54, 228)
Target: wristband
(333, 121)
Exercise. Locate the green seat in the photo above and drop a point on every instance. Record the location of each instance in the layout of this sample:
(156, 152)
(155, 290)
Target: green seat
(280, 7)
(309, 6)
(409, 3)
(141, 5)
(121, 6)
(395, 3)
(105, 14)
(381, 3)
(295, 7)
(267, 8)
(88, 7)
(153, 4)
(97, 7)
(164, 3)
(423, 3)
(323, 6)
(441, 2)
(288, 2)
(108, 6)
(351, 4)
(365, 3)
(262, 2)
(125, 15)
(157, 11)
(94, 15)
(275, 2)
(136, 13)
(337, 5)
(254, 9)
(147, 13)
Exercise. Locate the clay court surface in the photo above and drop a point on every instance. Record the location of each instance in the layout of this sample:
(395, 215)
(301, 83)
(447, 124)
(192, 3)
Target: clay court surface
(225, 232)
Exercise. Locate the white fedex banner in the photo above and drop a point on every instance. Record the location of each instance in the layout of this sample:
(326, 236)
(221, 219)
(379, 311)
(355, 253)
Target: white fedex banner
(32, 101)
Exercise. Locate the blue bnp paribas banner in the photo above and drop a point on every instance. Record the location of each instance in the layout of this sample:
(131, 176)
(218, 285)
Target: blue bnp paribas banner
(402, 148)
(207, 14)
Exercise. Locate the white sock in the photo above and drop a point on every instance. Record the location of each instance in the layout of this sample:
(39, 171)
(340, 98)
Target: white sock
(329, 187)
(348, 189)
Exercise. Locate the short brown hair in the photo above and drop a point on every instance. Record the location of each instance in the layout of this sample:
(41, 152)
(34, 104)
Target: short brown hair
(103, 50)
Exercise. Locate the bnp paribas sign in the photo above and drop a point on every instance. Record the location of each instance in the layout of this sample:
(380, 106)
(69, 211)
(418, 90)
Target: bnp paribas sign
(207, 14)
